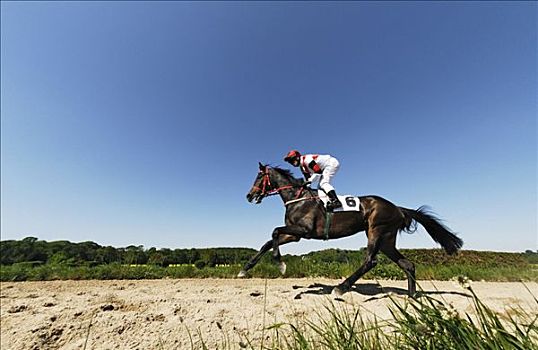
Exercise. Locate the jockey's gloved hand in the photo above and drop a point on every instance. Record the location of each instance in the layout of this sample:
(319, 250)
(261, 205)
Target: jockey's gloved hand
(307, 183)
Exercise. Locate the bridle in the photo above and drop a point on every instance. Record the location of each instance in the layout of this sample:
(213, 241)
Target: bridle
(268, 190)
(266, 186)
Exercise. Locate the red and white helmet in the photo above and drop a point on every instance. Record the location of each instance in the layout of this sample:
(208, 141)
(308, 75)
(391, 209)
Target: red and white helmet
(293, 154)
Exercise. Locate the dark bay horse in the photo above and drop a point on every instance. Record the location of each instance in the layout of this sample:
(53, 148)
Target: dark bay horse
(379, 218)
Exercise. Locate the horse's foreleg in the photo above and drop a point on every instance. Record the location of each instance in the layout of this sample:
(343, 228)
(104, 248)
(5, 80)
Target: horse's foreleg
(256, 258)
(285, 231)
(276, 252)
(282, 235)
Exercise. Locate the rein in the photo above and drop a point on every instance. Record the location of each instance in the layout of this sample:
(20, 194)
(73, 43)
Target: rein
(300, 200)
(297, 199)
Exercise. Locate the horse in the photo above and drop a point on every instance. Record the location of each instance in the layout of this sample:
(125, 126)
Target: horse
(306, 218)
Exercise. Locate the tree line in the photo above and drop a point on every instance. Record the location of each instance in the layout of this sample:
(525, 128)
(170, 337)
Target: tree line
(31, 249)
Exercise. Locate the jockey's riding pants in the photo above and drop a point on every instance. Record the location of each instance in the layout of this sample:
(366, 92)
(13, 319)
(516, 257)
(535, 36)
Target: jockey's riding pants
(326, 176)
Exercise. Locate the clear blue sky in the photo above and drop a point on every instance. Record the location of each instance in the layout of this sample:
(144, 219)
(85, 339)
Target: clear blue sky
(143, 122)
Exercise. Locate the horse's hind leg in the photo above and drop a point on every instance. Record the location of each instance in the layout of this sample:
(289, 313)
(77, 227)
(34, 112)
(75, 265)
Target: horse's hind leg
(389, 249)
(374, 240)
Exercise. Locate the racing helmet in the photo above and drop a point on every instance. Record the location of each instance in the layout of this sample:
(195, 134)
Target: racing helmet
(293, 154)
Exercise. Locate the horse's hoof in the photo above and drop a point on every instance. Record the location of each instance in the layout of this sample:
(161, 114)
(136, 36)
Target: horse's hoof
(282, 267)
(242, 274)
(337, 292)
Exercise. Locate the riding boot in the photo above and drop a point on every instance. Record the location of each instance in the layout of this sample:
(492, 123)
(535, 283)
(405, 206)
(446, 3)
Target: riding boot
(333, 203)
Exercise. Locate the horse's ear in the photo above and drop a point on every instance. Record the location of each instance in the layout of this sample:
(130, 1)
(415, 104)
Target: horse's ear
(262, 167)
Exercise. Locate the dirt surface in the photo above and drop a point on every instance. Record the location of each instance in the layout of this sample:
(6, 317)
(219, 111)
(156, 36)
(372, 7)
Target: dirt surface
(167, 314)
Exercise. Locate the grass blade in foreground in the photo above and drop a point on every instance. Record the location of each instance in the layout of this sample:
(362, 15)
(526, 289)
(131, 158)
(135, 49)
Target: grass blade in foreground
(422, 323)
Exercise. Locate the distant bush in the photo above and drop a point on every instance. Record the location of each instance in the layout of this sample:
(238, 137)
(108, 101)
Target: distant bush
(200, 264)
(531, 257)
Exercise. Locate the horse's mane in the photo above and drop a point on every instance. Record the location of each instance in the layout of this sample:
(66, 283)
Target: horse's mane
(287, 174)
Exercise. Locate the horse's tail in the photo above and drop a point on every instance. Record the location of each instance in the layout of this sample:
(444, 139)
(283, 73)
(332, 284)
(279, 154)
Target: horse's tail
(439, 232)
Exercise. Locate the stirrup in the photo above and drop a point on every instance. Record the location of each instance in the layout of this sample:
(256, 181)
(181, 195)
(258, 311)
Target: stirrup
(337, 204)
(331, 206)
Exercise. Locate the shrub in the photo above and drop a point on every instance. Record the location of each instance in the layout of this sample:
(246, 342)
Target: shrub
(200, 264)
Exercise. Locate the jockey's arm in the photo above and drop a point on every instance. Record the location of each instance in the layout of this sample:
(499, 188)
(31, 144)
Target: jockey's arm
(310, 165)
(315, 167)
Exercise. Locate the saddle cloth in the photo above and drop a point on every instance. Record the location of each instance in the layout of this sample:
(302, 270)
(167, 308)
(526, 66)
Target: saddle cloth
(349, 203)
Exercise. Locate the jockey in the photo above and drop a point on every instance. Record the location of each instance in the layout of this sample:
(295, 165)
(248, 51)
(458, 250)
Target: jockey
(317, 167)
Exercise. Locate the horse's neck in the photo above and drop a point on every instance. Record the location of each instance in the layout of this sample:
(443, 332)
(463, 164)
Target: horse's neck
(288, 193)
(294, 192)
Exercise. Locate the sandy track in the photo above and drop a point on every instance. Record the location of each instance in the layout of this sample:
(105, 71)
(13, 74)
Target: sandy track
(155, 314)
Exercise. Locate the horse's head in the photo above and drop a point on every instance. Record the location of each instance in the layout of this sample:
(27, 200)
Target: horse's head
(270, 181)
(261, 186)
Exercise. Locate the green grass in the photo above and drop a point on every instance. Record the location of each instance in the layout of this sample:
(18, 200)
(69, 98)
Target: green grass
(297, 268)
(330, 263)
